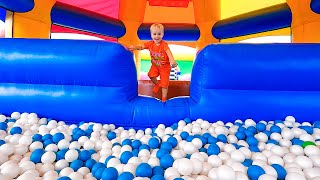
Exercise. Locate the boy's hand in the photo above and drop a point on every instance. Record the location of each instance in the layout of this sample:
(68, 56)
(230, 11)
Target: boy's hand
(131, 48)
(174, 64)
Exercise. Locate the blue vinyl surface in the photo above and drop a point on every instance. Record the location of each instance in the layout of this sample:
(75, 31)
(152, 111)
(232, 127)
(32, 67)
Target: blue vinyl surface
(2, 14)
(17, 5)
(172, 32)
(96, 81)
(84, 20)
(315, 6)
(267, 19)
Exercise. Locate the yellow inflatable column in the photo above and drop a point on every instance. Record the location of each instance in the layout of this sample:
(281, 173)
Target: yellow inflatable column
(305, 23)
(33, 24)
(131, 13)
(206, 14)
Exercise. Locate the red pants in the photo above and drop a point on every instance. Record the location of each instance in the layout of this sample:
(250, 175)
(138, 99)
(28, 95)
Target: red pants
(163, 71)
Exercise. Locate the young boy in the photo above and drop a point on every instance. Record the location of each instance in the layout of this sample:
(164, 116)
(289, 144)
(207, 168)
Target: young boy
(161, 59)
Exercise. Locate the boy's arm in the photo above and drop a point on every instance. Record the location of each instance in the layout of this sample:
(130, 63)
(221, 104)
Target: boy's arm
(141, 47)
(171, 59)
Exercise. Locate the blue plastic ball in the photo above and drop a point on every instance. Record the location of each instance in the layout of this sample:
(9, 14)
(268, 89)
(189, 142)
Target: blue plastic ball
(252, 141)
(64, 178)
(157, 170)
(248, 133)
(36, 155)
(37, 137)
(11, 120)
(213, 149)
(166, 146)
(282, 173)
(92, 151)
(136, 144)
(135, 152)
(47, 142)
(261, 127)
(254, 172)
(90, 163)
(144, 146)
(125, 156)
(108, 159)
(96, 166)
(212, 140)
(76, 164)
(158, 177)
(203, 140)
(15, 130)
(254, 148)
(187, 120)
(268, 133)
(308, 129)
(111, 135)
(275, 128)
(272, 141)
(57, 137)
(3, 126)
(166, 161)
(144, 170)
(2, 142)
(184, 135)
(247, 162)
(126, 142)
(222, 138)
(98, 173)
(238, 124)
(46, 137)
(173, 141)
(203, 150)
(61, 154)
(88, 132)
(240, 135)
(110, 173)
(206, 135)
(84, 155)
(241, 129)
(190, 138)
(161, 153)
(153, 143)
(252, 129)
(126, 176)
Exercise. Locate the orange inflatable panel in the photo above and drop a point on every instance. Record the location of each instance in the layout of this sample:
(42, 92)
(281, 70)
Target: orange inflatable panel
(169, 3)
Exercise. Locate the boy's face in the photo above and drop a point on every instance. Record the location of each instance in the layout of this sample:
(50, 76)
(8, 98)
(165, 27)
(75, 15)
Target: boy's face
(156, 35)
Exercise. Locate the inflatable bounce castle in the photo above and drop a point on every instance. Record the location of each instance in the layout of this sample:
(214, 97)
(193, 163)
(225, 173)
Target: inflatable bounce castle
(100, 127)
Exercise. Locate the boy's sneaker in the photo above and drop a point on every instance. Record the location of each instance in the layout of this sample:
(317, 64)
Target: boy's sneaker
(164, 99)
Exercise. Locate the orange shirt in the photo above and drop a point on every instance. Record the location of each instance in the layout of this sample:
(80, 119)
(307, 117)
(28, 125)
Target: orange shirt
(158, 53)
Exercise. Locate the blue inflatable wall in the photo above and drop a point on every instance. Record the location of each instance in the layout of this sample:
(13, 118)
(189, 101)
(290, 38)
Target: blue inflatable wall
(96, 81)
(263, 82)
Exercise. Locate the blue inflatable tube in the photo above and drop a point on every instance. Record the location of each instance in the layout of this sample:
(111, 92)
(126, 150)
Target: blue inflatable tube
(17, 5)
(76, 18)
(315, 6)
(258, 81)
(267, 19)
(2, 14)
(96, 81)
(172, 32)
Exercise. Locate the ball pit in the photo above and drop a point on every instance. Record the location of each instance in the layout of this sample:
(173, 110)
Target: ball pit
(42, 148)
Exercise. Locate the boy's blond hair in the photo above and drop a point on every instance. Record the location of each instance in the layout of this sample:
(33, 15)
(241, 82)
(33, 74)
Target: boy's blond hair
(157, 26)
